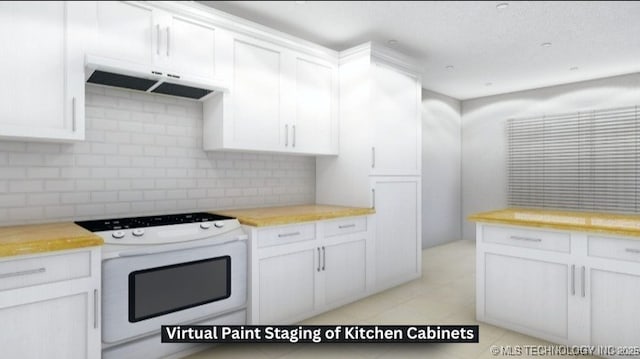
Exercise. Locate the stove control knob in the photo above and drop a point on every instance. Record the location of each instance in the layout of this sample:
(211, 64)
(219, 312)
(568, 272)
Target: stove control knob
(205, 225)
(219, 224)
(138, 232)
(118, 234)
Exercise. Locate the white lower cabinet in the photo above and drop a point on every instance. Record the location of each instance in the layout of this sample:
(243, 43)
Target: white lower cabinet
(310, 271)
(49, 305)
(586, 295)
(397, 230)
(512, 290)
(287, 286)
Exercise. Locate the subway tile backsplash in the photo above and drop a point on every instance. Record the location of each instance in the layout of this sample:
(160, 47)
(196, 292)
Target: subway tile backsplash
(142, 155)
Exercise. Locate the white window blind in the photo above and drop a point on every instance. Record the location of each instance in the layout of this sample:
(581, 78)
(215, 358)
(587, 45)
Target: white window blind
(583, 161)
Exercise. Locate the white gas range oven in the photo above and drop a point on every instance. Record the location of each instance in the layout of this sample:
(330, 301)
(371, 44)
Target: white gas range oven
(165, 270)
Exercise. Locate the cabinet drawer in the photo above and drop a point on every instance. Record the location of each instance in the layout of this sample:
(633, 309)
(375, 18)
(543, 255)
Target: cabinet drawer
(282, 235)
(615, 248)
(44, 269)
(536, 239)
(345, 226)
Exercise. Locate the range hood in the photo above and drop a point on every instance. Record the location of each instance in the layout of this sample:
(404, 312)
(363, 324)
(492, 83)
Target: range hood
(133, 76)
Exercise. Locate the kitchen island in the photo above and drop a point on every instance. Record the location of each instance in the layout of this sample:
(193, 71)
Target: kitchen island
(567, 277)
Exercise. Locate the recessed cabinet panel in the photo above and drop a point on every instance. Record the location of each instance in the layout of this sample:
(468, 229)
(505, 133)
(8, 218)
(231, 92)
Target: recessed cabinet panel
(396, 205)
(527, 293)
(191, 47)
(54, 328)
(615, 313)
(256, 97)
(396, 127)
(314, 107)
(344, 270)
(126, 31)
(286, 286)
(32, 31)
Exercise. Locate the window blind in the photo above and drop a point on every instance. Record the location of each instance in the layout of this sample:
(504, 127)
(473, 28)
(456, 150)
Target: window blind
(581, 161)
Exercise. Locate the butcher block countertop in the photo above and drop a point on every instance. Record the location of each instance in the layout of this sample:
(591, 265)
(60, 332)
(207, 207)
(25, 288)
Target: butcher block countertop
(272, 216)
(609, 223)
(38, 238)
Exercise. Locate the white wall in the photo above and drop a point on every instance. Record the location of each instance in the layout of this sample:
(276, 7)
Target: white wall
(484, 178)
(441, 135)
(143, 155)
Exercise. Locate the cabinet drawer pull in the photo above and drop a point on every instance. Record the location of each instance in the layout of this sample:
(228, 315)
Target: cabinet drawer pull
(324, 258)
(158, 39)
(95, 309)
(281, 235)
(347, 226)
(632, 250)
(286, 135)
(21, 273)
(73, 114)
(318, 259)
(293, 142)
(573, 279)
(583, 278)
(373, 157)
(373, 197)
(526, 239)
(168, 40)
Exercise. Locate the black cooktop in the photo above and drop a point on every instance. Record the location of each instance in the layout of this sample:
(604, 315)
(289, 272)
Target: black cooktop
(100, 225)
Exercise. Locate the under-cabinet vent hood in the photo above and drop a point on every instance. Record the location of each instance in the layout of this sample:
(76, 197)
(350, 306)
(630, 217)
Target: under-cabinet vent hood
(115, 73)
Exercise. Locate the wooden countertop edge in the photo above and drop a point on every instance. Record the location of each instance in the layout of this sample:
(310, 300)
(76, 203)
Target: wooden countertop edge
(39, 246)
(300, 218)
(560, 226)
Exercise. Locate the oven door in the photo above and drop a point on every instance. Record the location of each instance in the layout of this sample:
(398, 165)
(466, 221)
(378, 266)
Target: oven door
(143, 292)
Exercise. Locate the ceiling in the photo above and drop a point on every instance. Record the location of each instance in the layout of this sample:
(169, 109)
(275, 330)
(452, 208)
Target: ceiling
(492, 50)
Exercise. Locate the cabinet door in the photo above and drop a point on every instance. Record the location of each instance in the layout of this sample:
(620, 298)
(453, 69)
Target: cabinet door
(527, 295)
(344, 270)
(256, 93)
(396, 122)
(53, 328)
(397, 228)
(190, 47)
(315, 127)
(127, 31)
(614, 305)
(287, 286)
(42, 91)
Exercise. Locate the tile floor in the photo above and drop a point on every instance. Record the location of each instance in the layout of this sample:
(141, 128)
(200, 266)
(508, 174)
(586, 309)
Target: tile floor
(444, 295)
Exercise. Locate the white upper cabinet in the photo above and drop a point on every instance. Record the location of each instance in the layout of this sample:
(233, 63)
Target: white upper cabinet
(280, 100)
(315, 127)
(42, 91)
(395, 100)
(190, 46)
(126, 31)
(257, 119)
(165, 41)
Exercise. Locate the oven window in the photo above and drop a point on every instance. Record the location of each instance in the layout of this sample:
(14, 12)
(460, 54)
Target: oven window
(162, 290)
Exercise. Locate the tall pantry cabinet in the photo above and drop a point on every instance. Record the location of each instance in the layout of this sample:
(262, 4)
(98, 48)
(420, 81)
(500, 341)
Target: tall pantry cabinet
(379, 162)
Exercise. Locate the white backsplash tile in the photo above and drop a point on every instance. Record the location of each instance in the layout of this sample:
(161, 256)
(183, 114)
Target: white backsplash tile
(142, 155)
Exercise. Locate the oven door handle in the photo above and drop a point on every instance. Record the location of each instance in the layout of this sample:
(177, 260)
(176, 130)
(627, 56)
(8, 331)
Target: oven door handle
(171, 248)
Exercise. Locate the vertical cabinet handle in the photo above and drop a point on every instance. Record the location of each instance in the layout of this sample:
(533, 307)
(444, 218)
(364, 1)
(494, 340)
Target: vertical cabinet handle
(73, 114)
(95, 309)
(168, 39)
(373, 198)
(324, 258)
(318, 259)
(158, 39)
(286, 135)
(373, 157)
(583, 275)
(293, 144)
(573, 279)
